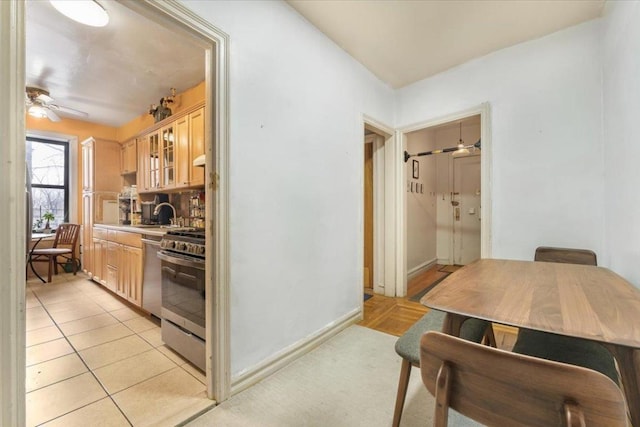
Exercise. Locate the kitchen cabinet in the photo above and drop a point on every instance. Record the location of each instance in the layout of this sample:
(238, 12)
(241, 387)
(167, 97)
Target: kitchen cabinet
(196, 146)
(129, 157)
(182, 151)
(118, 261)
(100, 183)
(131, 274)
(167, 158)
(166, 154)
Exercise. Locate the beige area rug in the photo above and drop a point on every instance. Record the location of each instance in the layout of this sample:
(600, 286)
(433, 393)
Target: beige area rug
(351, 380)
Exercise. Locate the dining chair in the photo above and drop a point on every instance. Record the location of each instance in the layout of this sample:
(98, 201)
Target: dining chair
(575, 351)
(64, 246)
(408, 347)
(497, 387)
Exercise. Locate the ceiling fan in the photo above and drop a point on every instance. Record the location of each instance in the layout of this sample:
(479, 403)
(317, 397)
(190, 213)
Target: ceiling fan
(40, 104)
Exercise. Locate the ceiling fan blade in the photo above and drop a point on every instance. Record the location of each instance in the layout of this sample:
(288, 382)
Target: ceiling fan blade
(68, 110)
(51, 115)
(45, 99)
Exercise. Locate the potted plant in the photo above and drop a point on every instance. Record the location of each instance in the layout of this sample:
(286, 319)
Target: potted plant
(48, 217)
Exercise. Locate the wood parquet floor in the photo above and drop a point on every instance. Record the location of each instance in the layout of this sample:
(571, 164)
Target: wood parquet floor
(395, 316)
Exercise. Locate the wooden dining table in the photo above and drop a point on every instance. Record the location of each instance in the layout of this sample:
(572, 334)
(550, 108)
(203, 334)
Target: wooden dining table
(580, 301)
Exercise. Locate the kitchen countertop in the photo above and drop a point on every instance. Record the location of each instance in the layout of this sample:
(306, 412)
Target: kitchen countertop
(151, 231)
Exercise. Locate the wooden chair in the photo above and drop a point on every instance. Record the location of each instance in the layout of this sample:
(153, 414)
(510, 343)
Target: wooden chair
(64, 245)
(575, 351)
(500, 388)
(408, 347)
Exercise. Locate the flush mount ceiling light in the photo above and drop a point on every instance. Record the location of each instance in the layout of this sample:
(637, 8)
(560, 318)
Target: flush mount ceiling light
(87, 12)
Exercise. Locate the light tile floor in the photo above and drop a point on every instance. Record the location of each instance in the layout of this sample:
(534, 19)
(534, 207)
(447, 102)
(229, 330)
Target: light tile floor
(92, 359)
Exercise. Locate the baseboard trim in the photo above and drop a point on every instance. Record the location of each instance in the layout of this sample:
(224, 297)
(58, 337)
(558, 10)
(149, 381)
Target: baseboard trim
(421, 268)
(257, 373)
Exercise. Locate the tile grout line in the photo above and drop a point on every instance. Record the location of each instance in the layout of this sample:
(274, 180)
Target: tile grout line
(88, 369)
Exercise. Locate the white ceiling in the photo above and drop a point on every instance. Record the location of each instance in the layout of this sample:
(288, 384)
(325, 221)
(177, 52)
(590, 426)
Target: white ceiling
(113, 73)
(403, 41)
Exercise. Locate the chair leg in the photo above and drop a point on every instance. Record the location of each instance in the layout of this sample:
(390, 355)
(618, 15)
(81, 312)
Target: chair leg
(52, 263)
(489, 337)
(403, 384)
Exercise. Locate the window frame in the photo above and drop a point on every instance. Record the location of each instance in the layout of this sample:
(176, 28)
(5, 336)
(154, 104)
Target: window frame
(67, 172)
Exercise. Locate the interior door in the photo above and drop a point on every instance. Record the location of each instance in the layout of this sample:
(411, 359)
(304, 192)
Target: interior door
(466, 209)
(368, 215)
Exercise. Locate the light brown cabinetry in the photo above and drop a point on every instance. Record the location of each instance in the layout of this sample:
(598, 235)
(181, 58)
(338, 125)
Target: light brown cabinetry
(100, 181)
(118, 256)
(166, 154)
(129, 157)
(196, 146)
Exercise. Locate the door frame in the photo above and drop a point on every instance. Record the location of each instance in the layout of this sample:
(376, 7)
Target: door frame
(484, 110)
(12, 187)
(386, 156)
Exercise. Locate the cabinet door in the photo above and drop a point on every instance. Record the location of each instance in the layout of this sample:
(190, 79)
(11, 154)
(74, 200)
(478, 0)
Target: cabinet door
(113, 265)
(196, 145)
(129, 157)
(100, 261)
(132, 274)
(142, 178)
(168, 157)
(87, 233)
(87, 165)
(183, 159)
(152, 161)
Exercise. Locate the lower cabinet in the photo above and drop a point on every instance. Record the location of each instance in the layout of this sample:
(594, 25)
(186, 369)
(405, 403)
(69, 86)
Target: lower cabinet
(118, 261)
(130, 277)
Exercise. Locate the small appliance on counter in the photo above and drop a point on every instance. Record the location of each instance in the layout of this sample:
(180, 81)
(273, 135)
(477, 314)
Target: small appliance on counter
(162, 218)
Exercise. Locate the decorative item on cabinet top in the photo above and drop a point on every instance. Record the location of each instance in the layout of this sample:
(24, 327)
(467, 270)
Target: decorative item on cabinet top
(162, 111)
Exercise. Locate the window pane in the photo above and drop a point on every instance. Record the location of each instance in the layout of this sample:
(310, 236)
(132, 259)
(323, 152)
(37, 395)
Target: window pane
(47, 163)
(47, 200)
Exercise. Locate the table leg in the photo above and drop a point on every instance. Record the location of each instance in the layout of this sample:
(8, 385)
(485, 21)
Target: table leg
(628, 360)
(31, 262)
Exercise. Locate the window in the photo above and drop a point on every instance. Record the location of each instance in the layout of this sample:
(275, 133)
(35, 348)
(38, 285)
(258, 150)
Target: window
(48, 163)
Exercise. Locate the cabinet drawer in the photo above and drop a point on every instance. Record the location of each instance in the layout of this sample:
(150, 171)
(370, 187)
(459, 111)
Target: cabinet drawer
(129, 239)
(100, 233)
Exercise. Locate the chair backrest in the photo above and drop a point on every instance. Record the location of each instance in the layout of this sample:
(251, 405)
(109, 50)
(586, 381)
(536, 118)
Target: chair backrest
(497, 387)
(566, 255)
(67, 235)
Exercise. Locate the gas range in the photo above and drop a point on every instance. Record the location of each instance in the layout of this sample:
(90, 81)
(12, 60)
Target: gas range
(188, 243)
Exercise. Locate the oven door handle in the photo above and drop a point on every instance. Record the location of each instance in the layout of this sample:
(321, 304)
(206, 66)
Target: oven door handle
(180, 261)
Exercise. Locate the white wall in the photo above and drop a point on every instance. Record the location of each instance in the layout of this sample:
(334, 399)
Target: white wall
(546, 115)
(621, 70)
(296, 150)
(421, 207)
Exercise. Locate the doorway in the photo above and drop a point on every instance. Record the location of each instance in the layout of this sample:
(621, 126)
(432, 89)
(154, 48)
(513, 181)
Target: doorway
(12, 353)
(380, 200)
(447, 203)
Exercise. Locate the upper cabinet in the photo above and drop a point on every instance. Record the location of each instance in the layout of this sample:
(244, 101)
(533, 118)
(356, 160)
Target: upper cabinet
(165, 154)
(98, 160)
(129, 157)
(196, 135)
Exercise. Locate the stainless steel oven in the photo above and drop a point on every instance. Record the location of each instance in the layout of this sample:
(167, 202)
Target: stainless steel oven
(182, 258)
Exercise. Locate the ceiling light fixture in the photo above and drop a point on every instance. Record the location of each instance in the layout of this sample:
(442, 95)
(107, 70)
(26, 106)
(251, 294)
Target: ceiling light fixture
(462, 150)
(87, 12)
(37, 111)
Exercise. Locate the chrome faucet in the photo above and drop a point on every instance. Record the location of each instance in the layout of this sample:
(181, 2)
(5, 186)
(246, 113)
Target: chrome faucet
(156, 211)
